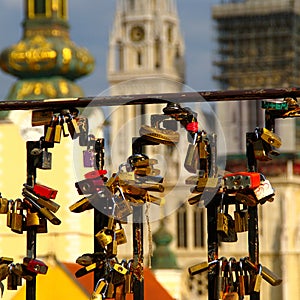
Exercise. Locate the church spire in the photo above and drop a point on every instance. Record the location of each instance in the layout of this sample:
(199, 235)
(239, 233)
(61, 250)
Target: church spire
(45, 60)
(146, 41)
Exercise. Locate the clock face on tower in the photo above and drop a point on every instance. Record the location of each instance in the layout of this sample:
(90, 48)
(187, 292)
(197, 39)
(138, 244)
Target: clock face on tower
(137, 33)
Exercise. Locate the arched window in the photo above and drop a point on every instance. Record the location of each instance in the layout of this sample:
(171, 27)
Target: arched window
(139, 58)
(157, 54)
(199, 227)
(39, 7)
(119, 56)
(182, 227)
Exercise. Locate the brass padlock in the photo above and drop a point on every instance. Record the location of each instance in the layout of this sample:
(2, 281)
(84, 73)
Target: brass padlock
(3, 205)
(9, 213)
(43, 226)
(222, 220)
(57, 131)
(271, 138)
(120, 235)
(41, 117)
(49, 135)
(17, 217)
(105, 236)
(32, 218)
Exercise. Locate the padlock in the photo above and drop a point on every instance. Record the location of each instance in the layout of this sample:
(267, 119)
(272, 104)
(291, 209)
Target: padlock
(240, 219)
(192, 160)
(120, 235)
(222, 220)
(257, 278)
(231, 236)
(264, 191)
(83, 125)
(12, 281)
(17, 217)
(81, 205)
(9, 212)
(100, 289)
(35, 265)
(220, 281)
(270, 137)
(50, 129)
(43, 226)
(159, 135)
(3, 205)
(30, 199)
(241, 180)
(110, 292)
(112, 248)
(57, 130)
(41, 117)
(65, 129)
(105, 236)
(49, 204)
(246, 198)
(88, 158)
(261, 150)
(230, 292)
(266, 274)
(44, 191)
(32, 218)
(44, 160)
(122, 207)
(240, 279)
(72, 126)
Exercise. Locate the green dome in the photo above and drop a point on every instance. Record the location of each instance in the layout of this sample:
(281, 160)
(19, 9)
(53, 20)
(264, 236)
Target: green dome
(40, 55)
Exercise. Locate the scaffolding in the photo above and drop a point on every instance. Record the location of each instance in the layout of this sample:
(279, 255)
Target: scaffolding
(257, 44)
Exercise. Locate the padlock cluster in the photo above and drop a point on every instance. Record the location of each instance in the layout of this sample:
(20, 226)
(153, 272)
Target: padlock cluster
(129, 186)
(115, 198)
(15, 272)
(236, 278)
(36, 207)
(117, 276)
(65, 123)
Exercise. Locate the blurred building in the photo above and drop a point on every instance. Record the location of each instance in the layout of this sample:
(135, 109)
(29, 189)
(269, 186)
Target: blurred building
(257, 46)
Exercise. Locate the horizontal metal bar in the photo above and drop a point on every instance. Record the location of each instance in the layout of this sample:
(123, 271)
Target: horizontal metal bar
(183, 97)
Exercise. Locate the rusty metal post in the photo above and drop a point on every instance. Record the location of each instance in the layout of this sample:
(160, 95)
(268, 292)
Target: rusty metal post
(253, 234)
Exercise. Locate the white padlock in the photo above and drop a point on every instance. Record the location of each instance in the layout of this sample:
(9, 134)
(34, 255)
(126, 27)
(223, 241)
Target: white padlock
(264, 191)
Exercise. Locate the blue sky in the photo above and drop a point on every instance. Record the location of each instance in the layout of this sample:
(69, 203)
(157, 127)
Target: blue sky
(91, 22)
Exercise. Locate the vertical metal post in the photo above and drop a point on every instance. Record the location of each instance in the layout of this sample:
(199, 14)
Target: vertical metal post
(253, 234)
(100, 219)
(138, 233)
(138, 253)
(212, 244)
(31, 231)
(212, 234)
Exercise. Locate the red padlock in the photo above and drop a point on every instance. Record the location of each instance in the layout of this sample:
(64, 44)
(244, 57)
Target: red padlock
(44, 191)
(35, 265)
(95, 174)
(241, 180)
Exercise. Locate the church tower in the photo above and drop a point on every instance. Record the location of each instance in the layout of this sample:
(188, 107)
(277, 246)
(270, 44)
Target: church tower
(146, 55)
(146, 42)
